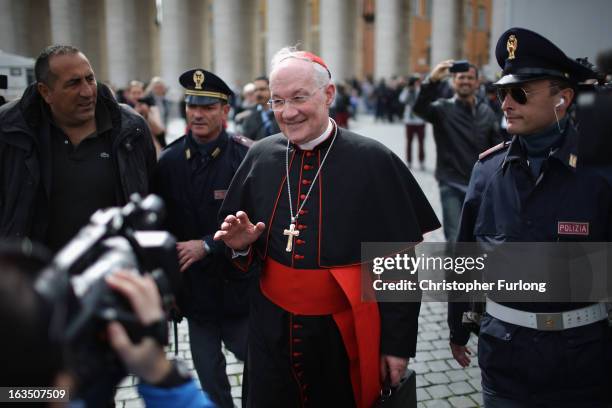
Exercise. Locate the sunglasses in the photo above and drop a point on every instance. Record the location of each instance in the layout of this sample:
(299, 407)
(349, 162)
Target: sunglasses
(517, 93)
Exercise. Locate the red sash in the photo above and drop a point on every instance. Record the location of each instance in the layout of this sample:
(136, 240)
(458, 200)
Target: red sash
(335, 291)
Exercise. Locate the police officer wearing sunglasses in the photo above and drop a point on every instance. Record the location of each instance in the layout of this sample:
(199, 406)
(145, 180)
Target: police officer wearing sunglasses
(526, 190)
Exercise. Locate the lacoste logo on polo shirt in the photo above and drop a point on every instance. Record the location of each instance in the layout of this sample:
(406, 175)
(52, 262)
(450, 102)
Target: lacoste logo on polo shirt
(220, 194)
(104, 155)
(572, 228)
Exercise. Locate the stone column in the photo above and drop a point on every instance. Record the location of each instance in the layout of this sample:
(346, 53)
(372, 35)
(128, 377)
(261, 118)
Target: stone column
(145, 32)
(94, 36)
(38, 28)
(67, 22)
(284, 26)
(13, 26)
(359, 32)
(182, 41)
(232, 31)
(390, 46)
(446, 31)
(499, 24)
(337, 26)
(121, 32)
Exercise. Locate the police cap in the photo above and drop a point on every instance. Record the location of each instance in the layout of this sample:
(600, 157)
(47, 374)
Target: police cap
(204, 88)
(525, 55)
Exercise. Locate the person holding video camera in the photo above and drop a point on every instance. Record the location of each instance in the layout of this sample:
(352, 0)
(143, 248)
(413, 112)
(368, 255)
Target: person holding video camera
(35, 360)
(538, 188)
(67, 148)
(463, 127)
(192, 176)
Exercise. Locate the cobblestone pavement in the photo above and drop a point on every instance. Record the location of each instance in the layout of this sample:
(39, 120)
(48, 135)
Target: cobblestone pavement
(440, 381)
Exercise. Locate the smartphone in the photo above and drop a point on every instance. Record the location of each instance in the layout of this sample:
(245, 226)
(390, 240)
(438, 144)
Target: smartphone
(3, 82)
(460, 66)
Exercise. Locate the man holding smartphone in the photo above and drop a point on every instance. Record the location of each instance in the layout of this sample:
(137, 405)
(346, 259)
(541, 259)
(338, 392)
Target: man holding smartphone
(463, 128)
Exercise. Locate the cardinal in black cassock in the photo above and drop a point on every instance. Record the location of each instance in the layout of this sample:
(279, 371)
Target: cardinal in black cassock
(363, 193)
(311, 196)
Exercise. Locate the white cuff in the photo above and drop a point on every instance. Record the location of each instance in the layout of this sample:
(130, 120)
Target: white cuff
(236, 254)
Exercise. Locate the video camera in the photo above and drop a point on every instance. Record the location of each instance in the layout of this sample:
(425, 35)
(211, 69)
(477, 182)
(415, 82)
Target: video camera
(82, 304)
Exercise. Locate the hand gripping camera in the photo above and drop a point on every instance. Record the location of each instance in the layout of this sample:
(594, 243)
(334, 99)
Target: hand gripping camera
(83, 304)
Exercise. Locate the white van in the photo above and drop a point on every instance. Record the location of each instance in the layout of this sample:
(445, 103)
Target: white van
(19, 71)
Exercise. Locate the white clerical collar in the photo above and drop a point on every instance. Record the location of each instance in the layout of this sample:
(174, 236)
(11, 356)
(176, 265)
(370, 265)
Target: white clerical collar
(315, 142)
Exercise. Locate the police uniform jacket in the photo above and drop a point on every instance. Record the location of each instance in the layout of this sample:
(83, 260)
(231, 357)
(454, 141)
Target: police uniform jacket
(506, 203)
(193, 183)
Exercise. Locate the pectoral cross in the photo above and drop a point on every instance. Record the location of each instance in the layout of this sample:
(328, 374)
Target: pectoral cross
(291, 233)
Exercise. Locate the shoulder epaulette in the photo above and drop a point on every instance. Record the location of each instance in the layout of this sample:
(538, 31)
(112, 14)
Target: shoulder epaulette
(245, 141)
(493, 149)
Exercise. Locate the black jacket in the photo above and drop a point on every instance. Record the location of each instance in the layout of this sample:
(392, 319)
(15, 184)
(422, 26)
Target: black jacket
(254, 127)
(25, 160)
(505, 203)
(460, 132)
(193, 183)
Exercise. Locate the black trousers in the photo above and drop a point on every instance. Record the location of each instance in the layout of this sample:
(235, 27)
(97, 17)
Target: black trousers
(208, 359)
(530, 368)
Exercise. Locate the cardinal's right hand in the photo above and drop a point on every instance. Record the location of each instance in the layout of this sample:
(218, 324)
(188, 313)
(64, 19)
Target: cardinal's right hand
(238, 232)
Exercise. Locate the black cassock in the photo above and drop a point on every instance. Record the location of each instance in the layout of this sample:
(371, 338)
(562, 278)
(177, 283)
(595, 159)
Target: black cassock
(364, 193)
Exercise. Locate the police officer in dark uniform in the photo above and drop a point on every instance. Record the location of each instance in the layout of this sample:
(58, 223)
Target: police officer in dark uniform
(192, 177)
(534, 189)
